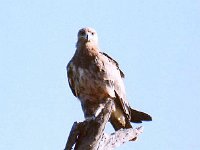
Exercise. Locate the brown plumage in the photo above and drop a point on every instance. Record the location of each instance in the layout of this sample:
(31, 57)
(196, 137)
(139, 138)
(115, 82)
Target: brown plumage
(94, 77)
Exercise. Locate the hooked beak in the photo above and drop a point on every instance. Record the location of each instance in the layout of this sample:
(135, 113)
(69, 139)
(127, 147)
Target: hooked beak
(88, 37)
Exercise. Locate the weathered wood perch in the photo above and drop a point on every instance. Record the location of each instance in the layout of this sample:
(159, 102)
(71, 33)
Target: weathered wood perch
(89, 135)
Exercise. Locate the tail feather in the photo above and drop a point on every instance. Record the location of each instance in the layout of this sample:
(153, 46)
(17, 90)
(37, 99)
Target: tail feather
(138, 116)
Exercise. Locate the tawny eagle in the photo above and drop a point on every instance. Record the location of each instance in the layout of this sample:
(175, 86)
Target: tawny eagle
(94, 77)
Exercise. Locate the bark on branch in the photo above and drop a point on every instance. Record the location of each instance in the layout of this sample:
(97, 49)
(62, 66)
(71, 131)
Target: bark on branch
(89, 135)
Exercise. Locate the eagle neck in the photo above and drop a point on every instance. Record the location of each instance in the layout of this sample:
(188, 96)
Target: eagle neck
(85, 54)
(87, 50)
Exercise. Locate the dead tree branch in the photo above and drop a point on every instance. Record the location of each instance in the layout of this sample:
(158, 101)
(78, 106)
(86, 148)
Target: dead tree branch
(89, 135)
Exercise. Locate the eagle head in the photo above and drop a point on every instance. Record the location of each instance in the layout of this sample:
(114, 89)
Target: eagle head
(87, 35)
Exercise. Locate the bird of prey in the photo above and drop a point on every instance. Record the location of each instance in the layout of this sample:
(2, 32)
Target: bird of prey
(94, 77)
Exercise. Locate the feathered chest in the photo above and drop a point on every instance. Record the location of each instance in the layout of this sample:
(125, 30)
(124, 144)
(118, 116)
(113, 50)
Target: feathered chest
(93, 78)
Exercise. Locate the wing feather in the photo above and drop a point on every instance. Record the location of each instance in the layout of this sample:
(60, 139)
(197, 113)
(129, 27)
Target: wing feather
(123, 105)
(70, 75)
(115, 63)
(118, 84)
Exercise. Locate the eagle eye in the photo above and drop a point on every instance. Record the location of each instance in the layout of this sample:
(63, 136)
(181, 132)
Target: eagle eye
(82, 33)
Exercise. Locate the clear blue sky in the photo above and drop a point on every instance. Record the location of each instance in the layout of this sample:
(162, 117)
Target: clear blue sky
(157, 44)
